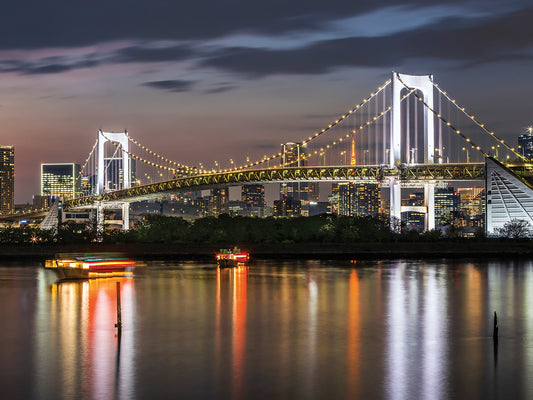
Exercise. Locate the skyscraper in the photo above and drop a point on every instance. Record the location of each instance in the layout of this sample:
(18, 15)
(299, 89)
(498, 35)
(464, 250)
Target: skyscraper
(287, 207)
(446, 203)
(525, 143)
(7, 179)
(253, 195)
(60, 180)
(357, 199)
(219, 201)
(253, 200)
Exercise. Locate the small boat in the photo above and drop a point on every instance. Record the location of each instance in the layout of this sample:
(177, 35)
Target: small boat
(76, 266)
(228, 258)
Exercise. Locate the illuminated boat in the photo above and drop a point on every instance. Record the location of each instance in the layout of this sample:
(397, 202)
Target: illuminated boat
(227, 258)
(89, 266)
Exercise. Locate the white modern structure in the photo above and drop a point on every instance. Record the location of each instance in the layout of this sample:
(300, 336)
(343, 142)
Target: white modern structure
(400, 153)
(508, 197)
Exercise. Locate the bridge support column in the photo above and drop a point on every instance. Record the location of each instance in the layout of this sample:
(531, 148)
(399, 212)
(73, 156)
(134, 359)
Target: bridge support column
(395, 203)
(99, 221)
(126, 216)
(429, 203)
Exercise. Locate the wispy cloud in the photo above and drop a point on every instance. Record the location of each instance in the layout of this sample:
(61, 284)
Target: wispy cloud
(176, 85)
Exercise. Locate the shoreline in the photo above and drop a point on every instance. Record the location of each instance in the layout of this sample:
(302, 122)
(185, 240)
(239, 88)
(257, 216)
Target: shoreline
(394, 250)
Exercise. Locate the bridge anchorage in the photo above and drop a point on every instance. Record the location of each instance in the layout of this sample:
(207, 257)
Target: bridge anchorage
(404, 135)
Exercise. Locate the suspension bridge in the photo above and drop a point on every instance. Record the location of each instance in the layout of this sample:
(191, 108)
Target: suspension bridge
(407, 133)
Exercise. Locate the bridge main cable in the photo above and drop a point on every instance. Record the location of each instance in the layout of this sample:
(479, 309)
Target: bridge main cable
(476, 121)
(273, 156)
(354, 131)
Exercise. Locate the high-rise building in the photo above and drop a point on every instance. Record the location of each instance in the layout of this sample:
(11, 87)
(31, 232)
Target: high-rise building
(7, 179)
(41, 202)
(357, 199)
(253, 200)
(446, 203)
(525, 143)
(287, 206)
(60, 180)
(219, 201)
(472, 201)
(294, 155)
(253, 195)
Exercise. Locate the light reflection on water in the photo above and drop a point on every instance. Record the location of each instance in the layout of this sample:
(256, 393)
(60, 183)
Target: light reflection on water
(289, 329)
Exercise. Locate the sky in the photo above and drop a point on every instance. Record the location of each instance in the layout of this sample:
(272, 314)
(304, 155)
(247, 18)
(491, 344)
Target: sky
(213, 80)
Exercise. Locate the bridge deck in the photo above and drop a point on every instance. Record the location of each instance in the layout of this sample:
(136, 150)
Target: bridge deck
(368, 173)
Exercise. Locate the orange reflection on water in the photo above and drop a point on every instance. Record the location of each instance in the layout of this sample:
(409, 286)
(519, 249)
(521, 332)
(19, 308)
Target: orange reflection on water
(83, 315)
(240, 279)
(231, 284)
(354, 322)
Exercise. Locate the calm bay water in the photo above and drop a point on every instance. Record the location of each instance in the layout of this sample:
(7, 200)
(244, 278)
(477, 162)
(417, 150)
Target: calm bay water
(273, 330)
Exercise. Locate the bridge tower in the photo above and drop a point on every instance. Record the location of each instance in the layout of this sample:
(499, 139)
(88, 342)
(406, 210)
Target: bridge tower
(122, 139)
(424, 84)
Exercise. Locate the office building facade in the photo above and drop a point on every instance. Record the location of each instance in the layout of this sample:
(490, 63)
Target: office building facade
(7, 179)
(219, 201)
(61, 180)
(356, 199)
(525, 144)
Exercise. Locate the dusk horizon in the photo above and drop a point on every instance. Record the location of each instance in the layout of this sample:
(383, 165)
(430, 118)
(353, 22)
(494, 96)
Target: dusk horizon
(204, 83)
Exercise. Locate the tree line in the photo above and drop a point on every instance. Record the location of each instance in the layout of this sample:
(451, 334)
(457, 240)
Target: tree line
(225, 229)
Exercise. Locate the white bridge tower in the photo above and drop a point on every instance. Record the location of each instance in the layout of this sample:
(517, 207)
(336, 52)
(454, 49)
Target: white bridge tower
(424, 84)
(122, 139)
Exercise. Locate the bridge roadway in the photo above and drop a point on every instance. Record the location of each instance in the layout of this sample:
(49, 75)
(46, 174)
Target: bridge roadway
(368, 173)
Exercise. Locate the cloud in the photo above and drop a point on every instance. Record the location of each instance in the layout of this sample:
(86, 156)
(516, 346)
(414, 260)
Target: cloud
(220, 88)
(176, 85)
(455, 39)
(301, 38)
(65, 23)
(148, 53)
(130, 54)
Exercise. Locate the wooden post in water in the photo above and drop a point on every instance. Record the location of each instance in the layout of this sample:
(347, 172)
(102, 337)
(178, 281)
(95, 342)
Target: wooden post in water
(495, 339)
(495, 329)
(119, 313)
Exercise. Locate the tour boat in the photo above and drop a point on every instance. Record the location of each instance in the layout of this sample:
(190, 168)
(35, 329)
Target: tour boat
(231, 258)
(87, 266)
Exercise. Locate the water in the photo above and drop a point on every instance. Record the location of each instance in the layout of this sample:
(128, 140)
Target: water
(273, 330)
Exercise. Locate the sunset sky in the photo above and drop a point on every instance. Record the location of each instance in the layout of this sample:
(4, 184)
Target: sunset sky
(212, 80)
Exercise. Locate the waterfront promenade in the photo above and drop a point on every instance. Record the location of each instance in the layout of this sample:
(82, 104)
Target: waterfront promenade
(388, 250)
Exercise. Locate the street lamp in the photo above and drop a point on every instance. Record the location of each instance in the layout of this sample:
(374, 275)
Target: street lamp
(496, 150)
(364, 156)
(467, 154)
(343, 152)
(323, 153)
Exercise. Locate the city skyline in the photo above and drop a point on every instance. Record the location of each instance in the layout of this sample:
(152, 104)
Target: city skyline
(239, 76)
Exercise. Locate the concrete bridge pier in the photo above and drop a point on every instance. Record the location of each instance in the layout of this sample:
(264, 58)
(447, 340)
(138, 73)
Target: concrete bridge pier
(101, 206)
(396, 208)
(395, 204)
(429, 203)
